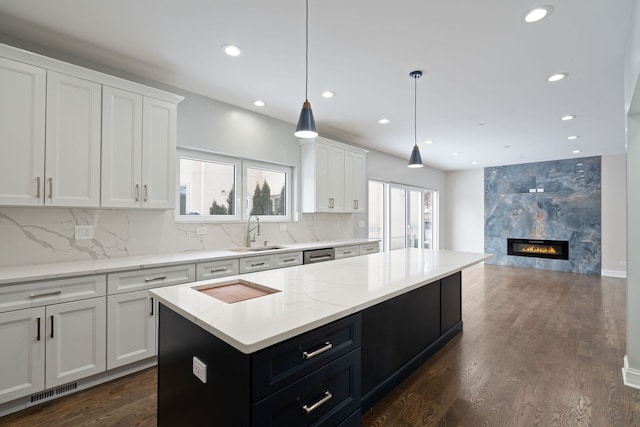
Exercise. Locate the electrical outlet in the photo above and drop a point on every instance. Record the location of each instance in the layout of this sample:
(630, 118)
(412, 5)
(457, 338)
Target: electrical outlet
(200, 369)
(283, 227)
(84, 232)
(336, 225)
(361, 223)
(201, 230)
(622, 263)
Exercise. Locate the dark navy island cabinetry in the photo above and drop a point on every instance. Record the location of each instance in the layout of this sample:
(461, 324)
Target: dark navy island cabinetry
(328, 376)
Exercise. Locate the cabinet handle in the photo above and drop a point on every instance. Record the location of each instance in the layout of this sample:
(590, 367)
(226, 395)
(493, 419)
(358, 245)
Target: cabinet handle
(357, 204)
(38, 326)
(257, 264)
(45, 294)
(151, 313)
(288, 260)
(51, 326)
(145, 193)
(153, 279)
(320, 257)
(346, 252)
(137, 192)
(50, 188)
(37, 187)
(327, 346)
(327, 397)
(218, 270)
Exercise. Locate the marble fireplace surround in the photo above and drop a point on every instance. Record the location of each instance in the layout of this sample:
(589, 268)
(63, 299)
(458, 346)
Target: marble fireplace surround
(556, 200)
(47, 235)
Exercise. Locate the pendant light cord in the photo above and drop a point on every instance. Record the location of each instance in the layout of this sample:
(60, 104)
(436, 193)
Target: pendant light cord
(306, 58)
(415, 111)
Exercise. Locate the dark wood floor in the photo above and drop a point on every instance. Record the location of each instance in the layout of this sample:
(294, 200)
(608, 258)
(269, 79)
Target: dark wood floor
(538, 348)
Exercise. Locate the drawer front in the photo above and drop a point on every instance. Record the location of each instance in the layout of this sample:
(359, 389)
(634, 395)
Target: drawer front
(369, 248)
(148, 278)
(214, 269)
(256, 263)
(36, 294)
(326, 397)
(347, 251)
(288, 259)
(284, 363)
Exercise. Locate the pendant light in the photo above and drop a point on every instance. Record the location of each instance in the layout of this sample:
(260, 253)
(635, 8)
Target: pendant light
(415, 161)
(306, 125)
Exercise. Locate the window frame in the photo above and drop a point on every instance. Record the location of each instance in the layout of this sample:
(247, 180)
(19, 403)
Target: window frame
(240, 178)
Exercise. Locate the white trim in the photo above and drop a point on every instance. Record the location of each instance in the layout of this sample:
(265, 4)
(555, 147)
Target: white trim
(614, 273)
(630, 376)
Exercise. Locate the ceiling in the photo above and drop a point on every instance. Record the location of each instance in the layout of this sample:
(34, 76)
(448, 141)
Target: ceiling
(483, 95)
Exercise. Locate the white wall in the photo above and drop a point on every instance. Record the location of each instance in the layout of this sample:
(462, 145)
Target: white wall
(465, 210)
(614, 215)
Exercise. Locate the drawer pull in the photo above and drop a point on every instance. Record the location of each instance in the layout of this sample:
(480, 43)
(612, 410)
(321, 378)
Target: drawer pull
(153, 279)
(137, 192)
(346, 252)
(257, 264)
(37, 187)
(218, 270)
(327, 397)
(45, 294)
(318, 258)
(327, 346)
(288, 260)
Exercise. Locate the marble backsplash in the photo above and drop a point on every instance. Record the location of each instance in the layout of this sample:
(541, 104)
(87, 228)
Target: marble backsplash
(47, 235)
(557, 200)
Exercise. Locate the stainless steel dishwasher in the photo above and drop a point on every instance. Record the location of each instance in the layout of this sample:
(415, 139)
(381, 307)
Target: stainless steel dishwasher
(318, 255)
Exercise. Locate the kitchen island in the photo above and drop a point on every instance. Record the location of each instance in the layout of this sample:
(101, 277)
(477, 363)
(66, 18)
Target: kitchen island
(323, 344)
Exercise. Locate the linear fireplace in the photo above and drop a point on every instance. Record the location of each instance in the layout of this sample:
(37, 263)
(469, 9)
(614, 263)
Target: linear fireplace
(554, 249)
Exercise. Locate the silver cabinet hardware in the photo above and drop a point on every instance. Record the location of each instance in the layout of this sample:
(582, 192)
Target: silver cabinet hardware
(153, 279)
(37, 187)
(318, 258)
(45, 294)
(50, 188)
(257, 264)
(218, 270)
(288, 260)
(327, 397)
(145, 192)
(137, 192)
(327, 346)
(38, 326)
(51, 326)
(346, 252)
(151, 313)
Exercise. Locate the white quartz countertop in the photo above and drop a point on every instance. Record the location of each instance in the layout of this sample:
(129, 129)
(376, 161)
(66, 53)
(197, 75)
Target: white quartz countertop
(311, 295)
(27, 273)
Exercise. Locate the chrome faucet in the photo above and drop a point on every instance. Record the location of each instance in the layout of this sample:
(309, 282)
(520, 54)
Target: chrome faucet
(249, 230)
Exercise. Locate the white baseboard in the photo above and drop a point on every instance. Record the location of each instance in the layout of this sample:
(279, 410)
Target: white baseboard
(614, 273)
(630, 376)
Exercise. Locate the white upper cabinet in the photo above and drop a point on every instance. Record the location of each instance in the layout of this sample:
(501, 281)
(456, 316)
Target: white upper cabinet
(121, 148)
(158, 154)
(332, 177)
(75, 137)
(72, 154)
(22, 125)
(354, 182)
(138, 151)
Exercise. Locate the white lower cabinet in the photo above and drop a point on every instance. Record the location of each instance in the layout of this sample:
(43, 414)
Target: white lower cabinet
(132, 328)
(45, 347)
(21, 353)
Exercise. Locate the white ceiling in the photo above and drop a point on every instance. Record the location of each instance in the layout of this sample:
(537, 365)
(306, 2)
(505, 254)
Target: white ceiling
(484, 93)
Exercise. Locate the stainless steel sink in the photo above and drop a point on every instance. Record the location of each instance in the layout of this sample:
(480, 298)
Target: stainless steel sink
(258, 248)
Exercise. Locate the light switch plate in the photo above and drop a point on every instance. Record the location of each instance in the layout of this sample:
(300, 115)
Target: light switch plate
(201, 230)
(283, 227)
(84, 232)
(361, 223)
(200, 369)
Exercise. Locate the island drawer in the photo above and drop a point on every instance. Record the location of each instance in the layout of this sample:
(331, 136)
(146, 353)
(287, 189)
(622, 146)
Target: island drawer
(46, 292)
(147, 278)
(214, 269)
(347, 251)
(256, 263)
(369, 248)
(283, 363)
(328, 396)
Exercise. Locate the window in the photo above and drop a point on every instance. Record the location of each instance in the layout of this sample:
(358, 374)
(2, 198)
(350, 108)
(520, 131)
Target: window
(401, 216)
(220, 188)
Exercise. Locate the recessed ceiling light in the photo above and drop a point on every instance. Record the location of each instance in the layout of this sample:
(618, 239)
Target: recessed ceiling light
(383, 121)
(455, 153)
(327, 94)
(231, 50)
(258, 103)
(557, 77)
(577, 151)
(567, 117)
(428, 141)
(572, 137)
(474, 163)
(538, 13)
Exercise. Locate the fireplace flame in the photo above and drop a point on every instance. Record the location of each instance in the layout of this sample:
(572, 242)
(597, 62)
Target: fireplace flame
(539, 249)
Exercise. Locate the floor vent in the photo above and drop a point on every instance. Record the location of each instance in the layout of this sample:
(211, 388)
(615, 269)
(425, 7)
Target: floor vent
(50, 394)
